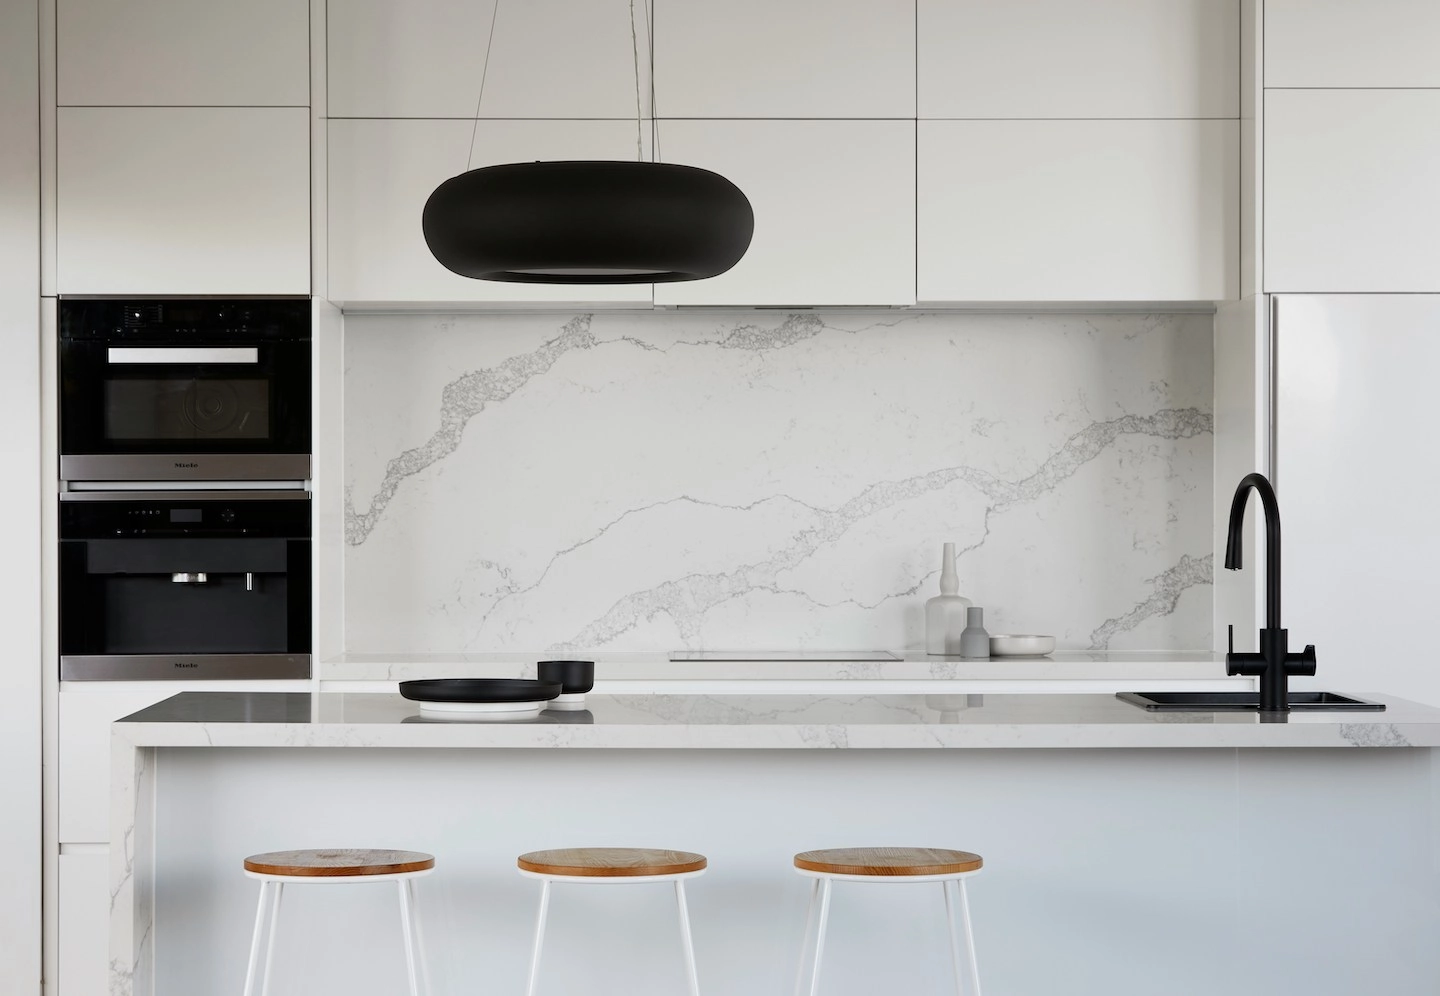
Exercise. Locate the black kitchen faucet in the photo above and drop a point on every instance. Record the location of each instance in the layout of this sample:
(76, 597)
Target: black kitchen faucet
(1274, 664)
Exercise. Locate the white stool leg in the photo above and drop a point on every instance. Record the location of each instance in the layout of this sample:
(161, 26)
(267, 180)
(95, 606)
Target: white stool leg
(415, 920)
(954, 940)
(539, 935)
(805, 938)
(276, 893)
(820, 934)
(969, 938)
(408, 931)
(685, 936)
(260, 911)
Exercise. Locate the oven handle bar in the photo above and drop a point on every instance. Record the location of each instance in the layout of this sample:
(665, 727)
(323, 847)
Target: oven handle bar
(183, 354)
(195, 495)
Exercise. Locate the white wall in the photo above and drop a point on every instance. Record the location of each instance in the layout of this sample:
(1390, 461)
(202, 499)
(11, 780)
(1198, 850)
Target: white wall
(20, 498)
(774, 480)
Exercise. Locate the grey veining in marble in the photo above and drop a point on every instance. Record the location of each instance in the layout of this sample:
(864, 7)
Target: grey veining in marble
(653, 481)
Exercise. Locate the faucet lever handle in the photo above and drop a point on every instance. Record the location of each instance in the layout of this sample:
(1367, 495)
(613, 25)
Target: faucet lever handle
(1232, 638)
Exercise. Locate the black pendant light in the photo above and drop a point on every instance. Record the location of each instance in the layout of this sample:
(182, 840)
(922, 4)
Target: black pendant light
(588, 222)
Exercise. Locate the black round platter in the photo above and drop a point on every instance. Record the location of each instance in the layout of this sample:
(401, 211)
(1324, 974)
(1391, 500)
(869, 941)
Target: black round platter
(480, 690)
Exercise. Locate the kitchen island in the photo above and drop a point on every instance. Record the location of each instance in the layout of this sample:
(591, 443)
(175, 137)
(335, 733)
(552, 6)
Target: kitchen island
(1126, 852)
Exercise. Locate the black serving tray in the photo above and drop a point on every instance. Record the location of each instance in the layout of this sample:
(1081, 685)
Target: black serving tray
(480, 690)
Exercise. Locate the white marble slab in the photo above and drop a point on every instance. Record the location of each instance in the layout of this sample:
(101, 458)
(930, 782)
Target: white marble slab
(644, 482)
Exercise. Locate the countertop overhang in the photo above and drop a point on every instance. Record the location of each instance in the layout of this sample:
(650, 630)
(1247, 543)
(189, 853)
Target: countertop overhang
(769, 722)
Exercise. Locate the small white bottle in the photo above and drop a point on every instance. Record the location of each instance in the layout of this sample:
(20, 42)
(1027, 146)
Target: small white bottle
(945, 613)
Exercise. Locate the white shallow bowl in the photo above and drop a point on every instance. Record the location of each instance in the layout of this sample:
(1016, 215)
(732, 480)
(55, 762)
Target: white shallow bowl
(497, 710)
(1021, 645)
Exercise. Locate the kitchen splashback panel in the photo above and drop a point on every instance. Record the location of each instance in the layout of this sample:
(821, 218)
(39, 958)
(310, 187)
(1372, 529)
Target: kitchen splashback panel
(660, 481)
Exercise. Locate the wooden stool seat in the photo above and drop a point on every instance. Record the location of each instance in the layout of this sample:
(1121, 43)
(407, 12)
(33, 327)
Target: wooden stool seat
(888, 861)
(345, 862)
(611, 862)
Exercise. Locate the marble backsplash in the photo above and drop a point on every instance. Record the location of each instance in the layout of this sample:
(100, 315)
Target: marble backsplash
(650, 481)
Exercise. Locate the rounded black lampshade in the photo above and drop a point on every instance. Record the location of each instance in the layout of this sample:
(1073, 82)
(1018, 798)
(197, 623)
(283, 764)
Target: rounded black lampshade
(588, 223)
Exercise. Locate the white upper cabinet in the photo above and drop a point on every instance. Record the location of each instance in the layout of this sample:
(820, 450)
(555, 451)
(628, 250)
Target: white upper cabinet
(784, 59)
(834, 210)
(1078, 211)
(1068, 59)
(383, 171)
(548, 59)
(191, 53)
(183, 200)
(1352, 199)
(1333, 43)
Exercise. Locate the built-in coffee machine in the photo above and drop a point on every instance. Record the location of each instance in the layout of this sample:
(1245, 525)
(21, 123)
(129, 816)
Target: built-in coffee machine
(184, 523)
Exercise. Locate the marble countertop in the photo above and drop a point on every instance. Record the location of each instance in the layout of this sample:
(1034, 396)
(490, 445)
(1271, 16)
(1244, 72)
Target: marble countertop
(662, 721)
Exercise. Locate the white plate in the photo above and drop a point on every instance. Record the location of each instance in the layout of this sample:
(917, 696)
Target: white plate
(507, 710)
(1029, 645)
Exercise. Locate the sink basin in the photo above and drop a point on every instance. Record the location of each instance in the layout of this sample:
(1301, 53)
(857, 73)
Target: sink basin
(1243, 701)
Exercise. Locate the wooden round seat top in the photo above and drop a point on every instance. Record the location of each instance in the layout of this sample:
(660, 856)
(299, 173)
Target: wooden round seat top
(611, 862)
(888, 861)
(341, 862)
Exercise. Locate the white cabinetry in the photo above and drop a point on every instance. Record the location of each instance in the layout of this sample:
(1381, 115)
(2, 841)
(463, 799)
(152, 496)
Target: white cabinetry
(183, 200)
(83, 903)
(1351, 197)
(784, 59)
(84, 757)
(1062, 59)
(1078, 210)
(183, 52)
(423, 58)
(382, 172)
(1378, 43)
(834, 210)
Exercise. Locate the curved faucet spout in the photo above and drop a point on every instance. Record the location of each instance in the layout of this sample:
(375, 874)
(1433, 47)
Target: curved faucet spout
(1234, 543)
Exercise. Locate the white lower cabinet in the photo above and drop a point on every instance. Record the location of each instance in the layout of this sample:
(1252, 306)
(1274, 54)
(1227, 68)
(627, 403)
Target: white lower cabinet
(383, 170)
(183, 200)
(834, 210)
(83, 907)
(1078, 211)
(83, 764)
(1351, 198)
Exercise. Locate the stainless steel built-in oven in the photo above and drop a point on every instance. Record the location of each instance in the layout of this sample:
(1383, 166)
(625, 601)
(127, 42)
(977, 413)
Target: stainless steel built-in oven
(199, 389)
(184, 584)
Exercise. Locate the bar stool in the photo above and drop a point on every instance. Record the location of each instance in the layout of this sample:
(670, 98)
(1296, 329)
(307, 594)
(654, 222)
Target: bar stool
(890, 864)
(613, 866)
(346, 866)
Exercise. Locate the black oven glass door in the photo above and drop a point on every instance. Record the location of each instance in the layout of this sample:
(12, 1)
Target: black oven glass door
(160, 402)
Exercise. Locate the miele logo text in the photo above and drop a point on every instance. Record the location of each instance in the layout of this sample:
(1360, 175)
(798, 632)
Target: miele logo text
(186, 664)
(179, 463)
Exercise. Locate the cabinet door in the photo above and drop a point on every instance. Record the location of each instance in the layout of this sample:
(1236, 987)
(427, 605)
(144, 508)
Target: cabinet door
(183, 52)
(382, 172)
(548, 58)
(83, 916)
(1062, 59)
(834, 209)
(1351, 197)
(1378, 43)
(83, 759)
(1078, 210)
(173, 200)
(784, 59)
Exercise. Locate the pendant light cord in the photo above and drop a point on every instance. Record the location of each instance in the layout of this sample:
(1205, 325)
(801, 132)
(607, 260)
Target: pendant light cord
(635, 54)
(484, 69)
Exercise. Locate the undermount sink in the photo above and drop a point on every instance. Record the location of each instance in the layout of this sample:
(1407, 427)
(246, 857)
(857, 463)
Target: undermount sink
(1243, 701)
